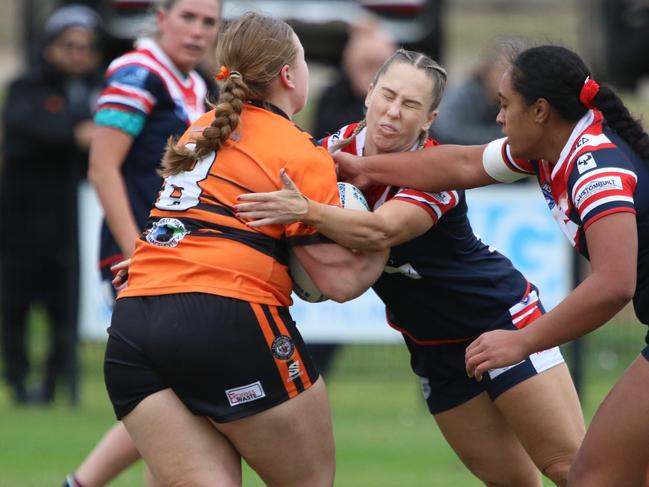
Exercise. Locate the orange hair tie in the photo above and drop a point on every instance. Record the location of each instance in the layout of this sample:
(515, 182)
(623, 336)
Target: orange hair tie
(223, 73)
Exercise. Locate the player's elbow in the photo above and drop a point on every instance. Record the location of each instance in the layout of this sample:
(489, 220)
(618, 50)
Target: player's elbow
(344, 291)
(377, 242)
(96, 172)
(624, 290)
(93, 174)
(374, 238)
(618, 290)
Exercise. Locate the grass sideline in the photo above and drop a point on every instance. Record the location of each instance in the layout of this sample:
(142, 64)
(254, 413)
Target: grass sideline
(384, 434)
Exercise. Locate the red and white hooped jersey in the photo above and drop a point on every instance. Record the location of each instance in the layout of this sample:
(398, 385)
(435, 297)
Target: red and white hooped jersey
(596, 175)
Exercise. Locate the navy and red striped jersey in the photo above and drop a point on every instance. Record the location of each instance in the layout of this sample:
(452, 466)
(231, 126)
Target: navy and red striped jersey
(597, 174)
(446, 285)
(148, 98)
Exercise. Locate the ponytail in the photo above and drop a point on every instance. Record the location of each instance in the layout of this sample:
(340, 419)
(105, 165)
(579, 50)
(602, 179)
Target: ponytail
(563, 79)
(620, 120)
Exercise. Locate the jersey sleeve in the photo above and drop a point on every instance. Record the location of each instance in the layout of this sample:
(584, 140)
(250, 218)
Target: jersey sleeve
(314, 173)
(500, 165)
(435, 204)
(129, 97)
(600, 183)
(332, 139)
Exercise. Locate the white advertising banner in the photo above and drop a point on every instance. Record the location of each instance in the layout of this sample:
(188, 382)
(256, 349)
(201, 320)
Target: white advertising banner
(512, 218)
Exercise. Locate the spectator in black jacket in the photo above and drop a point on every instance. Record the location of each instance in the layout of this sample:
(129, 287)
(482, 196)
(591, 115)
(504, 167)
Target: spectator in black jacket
(47, 123)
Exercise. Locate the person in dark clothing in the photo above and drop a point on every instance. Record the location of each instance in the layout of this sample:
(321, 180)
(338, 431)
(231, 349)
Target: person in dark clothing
(343, 102)
(467, 115)
(47, 123)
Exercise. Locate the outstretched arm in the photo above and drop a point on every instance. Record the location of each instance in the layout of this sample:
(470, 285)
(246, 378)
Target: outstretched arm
(438, 168)
(393, 223)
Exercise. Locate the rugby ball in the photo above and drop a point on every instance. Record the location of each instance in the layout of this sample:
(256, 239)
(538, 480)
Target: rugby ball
(350, 197)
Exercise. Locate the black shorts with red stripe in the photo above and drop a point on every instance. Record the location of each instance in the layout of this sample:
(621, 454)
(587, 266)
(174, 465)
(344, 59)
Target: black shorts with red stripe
(224, 358)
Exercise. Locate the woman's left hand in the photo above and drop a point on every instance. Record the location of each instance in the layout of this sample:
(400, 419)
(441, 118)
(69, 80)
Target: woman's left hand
(494, 349)
(120, 274)
(285, 206)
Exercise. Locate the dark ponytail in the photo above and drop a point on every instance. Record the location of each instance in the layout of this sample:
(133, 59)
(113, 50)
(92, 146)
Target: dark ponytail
(558, 75)
(620, 120)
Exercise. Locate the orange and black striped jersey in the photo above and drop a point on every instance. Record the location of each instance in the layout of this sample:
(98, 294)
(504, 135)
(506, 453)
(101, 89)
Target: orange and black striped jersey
(195, 243)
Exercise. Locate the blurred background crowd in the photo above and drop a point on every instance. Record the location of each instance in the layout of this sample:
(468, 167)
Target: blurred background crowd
(53, 56)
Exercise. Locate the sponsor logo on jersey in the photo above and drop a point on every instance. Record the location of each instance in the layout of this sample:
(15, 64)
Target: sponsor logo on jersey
(582, 141)
(547, 194)
(166, 232)
(604, 183)
(443, 198)
(294, 370)
(243, 394)
(585, 162)
(282, 347)
(335, 137)
(132, 75)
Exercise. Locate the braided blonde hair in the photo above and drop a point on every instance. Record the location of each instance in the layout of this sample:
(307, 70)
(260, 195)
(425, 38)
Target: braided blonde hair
(254, 49)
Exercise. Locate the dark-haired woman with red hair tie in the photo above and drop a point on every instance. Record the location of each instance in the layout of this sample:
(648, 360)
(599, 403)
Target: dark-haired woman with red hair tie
(591, 161)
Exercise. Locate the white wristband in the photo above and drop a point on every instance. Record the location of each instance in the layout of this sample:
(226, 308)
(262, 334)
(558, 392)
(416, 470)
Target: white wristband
(494, 163)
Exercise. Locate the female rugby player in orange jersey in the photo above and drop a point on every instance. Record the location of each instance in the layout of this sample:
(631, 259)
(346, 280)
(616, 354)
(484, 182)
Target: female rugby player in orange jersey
(204, 364)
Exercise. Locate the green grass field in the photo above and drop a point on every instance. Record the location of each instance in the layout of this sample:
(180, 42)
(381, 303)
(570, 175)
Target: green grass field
(384, 434)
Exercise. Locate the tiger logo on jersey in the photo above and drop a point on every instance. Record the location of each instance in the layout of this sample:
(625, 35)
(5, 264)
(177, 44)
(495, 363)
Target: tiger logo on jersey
(166, 232)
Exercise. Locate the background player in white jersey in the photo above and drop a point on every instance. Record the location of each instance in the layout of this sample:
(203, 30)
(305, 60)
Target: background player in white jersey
(443, 287)
(591, 159)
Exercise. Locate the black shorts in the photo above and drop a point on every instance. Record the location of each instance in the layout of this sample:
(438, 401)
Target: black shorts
(224, 358)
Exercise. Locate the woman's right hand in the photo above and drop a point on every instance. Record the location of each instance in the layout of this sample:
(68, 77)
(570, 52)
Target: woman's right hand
(348, 167)
(285, 206)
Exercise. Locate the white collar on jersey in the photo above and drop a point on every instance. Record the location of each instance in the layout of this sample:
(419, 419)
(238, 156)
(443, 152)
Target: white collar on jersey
(151, 45)
(582, 125)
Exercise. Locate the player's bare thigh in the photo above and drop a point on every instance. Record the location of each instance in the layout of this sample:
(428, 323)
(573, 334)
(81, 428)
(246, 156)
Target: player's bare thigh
(290, 444)
(180, 448)
(485, 443)
(545, 414)
(614, 451)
